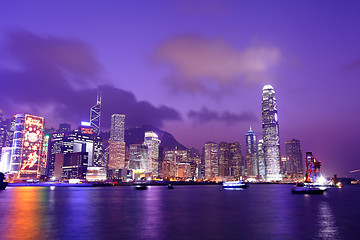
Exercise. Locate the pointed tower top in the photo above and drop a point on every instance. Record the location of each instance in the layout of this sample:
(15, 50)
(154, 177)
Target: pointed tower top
(98, 99)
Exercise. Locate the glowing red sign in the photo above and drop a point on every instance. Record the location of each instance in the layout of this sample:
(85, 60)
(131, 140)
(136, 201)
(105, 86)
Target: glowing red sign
(86, 130)
(32, 146)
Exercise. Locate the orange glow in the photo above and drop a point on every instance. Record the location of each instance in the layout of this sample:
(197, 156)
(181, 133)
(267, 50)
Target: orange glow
(24, 222)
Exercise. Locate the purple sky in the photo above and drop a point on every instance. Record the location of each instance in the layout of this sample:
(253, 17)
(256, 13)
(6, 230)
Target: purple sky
(193, 68)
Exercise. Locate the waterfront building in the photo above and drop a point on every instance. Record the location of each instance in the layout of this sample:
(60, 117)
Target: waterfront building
(261, 156)
(95, 115)
(236, 160)
(75, 165)
(5, 159)
(6, 138)
(251, 155)
(195, 163)
(116, 155)
(27, 146)
(211, 161)
(224, 159)
(294, 159)
(138, 157)
(117, 130)
(170, 164)
(75, 141)
(44, 157)
(96, 174)
(152, 140)
(117, 143)
(183, 171)
(271, 139)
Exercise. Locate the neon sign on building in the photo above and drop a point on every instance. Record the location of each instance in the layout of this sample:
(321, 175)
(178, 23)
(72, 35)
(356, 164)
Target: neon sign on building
(31, 147)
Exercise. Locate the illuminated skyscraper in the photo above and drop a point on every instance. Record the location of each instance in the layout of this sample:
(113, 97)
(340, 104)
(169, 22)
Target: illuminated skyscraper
(95, 115)
(117, 127)
(17, 143)
(270, 128)
(294, 159)
(235, 165)
(224, 159)
(72, 142)
(153, 142)
(27, 150)
(211, 161)
(116, 142)
(251, 154)
(170, 164)
(262, 168)
(138, 157)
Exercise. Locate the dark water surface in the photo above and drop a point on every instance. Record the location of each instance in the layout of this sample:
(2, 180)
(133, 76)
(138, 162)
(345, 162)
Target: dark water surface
(187, 212)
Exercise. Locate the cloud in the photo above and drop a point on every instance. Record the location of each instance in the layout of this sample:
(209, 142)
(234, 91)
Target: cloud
(200, 65)
(59, 79)
(206, 115)
(349, 67)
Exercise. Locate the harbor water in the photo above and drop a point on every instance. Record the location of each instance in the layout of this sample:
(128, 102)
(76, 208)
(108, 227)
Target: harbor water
(263, 211)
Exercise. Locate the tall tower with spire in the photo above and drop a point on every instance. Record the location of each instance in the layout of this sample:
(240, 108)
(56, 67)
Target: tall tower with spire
(95, 115)
(270, 128)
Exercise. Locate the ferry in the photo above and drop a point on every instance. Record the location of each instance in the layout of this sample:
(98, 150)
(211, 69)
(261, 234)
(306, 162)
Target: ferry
(234, 185)
(307, 189)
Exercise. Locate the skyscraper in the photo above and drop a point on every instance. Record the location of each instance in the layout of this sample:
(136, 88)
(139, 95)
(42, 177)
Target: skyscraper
(138, 157)
(116, 142)
(73, 142)
(236, 158)
(211, 161)
(27, 150)
(251, 154)
(224, 159)
(262, 168)
(95, 115)
(117, 130)
(294, 159)
(271, 139)
(153, 142)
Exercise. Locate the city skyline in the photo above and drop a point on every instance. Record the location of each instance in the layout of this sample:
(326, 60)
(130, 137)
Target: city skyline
(311, 63)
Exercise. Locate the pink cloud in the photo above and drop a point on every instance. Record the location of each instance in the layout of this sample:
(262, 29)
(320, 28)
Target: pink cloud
(197, 62)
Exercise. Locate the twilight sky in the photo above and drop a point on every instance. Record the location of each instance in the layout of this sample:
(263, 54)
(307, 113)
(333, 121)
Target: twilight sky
(193, 68)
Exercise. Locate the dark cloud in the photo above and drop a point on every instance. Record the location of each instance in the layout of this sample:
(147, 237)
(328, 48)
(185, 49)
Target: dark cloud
(206, 115)
(59, 79)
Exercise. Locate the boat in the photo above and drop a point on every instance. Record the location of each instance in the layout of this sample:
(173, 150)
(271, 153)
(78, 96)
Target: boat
(307, 189)
(170, 186)
(141, 187)
(234, 185)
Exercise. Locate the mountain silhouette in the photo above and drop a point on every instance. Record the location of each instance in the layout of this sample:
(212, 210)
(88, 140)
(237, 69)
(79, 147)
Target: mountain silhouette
(136, 136)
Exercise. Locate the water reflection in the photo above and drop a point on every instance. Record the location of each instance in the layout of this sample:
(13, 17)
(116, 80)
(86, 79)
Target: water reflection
(326, 222)
(151, 224)
(25, 211)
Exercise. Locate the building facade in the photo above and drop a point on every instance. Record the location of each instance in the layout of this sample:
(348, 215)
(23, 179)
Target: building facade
(27, 146)
(261, 157)
(294, 159)
(117, 142)
(152, 140)
(138, 157)
(251, 159)
(271, 138)
(211, 161)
